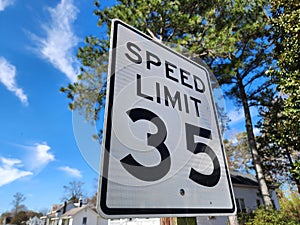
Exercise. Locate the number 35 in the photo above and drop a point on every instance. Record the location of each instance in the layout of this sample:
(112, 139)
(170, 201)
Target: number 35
(154, 173)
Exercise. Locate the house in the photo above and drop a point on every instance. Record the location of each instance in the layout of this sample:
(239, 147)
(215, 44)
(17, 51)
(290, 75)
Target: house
(247, 194)
(6, 219)
(83, 215)
(52, 218)
(34, 221)
(247, 197)
(72, 214)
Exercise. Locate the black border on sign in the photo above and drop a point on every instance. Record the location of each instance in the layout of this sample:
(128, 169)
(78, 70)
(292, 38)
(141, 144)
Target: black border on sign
(122, 212)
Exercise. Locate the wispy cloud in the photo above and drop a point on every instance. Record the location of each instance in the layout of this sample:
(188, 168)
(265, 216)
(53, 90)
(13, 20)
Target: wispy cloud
(5, 3)
(8, 78)
(73, 172)
(10, 170)
(237, 123)
(32, 162)
(236, 116)
(39, 156)
(58, 45)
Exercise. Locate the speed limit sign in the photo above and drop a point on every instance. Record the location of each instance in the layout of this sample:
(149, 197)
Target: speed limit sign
(162, 153)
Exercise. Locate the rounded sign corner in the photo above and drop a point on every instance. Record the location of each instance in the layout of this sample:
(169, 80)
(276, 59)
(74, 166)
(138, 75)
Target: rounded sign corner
(104, 210)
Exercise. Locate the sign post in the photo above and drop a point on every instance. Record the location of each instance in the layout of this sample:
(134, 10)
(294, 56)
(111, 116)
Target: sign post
(162, 152)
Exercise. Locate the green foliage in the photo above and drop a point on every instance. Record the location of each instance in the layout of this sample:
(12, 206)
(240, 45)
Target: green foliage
(87, 95)
(167, 21)
(237, 47)
(21, 217)
(243, 217)
(278, 142)
(286, 28)
(174, 21)
(186, 221)
(295, 171)
(291, 206)
(238, 154)
(280, 127)
(270, 217)
(289, 213)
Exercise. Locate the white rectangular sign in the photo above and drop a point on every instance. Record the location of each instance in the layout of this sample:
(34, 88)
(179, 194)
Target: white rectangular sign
(162, 151)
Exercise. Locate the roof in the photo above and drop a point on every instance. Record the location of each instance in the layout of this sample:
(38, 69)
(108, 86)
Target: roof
(244, 179)
(73, 211)
(76, 210)
(56, 207)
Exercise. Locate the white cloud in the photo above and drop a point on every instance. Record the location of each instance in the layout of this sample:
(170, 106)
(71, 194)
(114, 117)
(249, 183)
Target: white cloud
(10, 170)
(236, 116)
(8, 78)
(5, 3)
(73, 172)
(39, 156)
(237, 123)
(58, 45)
(34, 160)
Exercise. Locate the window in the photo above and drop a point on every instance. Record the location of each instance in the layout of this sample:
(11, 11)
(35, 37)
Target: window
(84, 221)
(240, 205)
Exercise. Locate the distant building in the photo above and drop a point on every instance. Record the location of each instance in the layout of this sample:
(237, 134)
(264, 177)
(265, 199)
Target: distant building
(72, 214)
(83, 215)
(34, 221)
(6, 219)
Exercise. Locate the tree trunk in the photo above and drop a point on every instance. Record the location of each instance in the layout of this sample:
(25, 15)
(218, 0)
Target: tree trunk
(252, 145)
(233, 220)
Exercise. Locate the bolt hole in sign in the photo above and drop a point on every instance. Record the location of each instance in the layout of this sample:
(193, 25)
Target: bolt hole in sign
(162, 153)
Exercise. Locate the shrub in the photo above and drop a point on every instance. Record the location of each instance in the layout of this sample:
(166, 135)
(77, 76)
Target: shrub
(271, 217)
(288, 215)
(291, 206)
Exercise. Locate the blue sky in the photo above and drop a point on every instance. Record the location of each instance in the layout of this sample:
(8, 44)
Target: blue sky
(38, 148)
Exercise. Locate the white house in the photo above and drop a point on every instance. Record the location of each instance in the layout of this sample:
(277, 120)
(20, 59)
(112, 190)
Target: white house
(72, 214)
(83, 215)
(52, 218)
(247, 197)
(34, 221)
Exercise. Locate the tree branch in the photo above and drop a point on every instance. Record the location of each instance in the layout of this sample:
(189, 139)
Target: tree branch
(153, 36)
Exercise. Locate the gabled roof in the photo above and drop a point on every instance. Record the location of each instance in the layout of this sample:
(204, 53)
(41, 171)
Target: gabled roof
(244, 179)
(56, 207)
(73, 211)
(76, 210)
